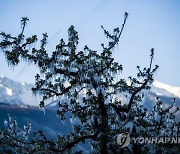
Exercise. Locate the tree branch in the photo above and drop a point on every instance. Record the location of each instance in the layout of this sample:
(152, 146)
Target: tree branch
(117, 40)
(126, 109)
(83, 138)
(61, 71)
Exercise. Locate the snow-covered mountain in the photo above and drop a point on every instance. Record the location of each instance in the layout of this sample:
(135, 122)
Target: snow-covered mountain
(163, 89)
(12, 92)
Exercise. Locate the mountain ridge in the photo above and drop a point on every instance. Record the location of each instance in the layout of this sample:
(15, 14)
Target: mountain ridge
(13, 92)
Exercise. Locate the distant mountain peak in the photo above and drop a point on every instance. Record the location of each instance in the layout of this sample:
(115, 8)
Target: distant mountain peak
(173, 90)
(12, 92)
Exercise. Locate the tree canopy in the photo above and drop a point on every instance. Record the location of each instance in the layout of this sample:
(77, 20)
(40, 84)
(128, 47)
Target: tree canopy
(87, 85)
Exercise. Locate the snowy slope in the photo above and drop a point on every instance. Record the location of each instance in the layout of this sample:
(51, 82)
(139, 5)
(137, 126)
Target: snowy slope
(163, 89)
(12, 92)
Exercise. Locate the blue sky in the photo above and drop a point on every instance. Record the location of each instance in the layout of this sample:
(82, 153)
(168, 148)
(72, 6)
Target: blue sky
(151, 24)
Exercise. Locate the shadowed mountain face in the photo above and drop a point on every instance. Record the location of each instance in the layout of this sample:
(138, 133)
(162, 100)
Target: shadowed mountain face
(46, 121)
(40, 120)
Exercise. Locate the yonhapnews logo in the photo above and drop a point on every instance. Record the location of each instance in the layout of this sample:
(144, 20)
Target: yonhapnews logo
(124, 139)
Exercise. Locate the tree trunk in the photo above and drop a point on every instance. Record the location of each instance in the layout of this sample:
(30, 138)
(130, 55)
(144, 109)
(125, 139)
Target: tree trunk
(104, 124)
(135, 149)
